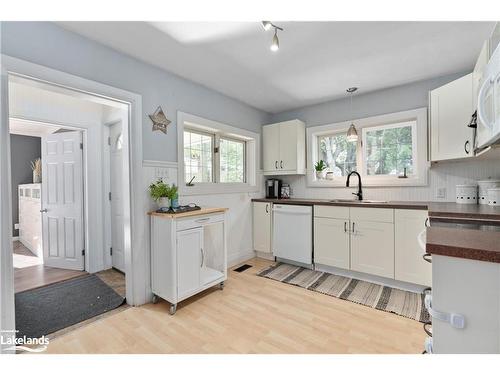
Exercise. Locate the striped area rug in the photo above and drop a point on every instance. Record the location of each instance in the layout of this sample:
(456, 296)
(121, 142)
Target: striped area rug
(397, 301)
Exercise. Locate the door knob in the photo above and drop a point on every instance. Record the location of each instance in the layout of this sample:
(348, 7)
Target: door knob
(44, 210)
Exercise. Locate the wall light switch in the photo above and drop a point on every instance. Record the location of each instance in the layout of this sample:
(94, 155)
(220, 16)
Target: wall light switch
(16, 226)
(441, 193)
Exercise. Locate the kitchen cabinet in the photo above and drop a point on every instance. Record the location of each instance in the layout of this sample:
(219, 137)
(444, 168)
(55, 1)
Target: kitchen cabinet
(284, 148)
(409, 265)
(372, 241)
(477, 73)
(331, 242)
(451, 108)
(188, 254)
(262, 219)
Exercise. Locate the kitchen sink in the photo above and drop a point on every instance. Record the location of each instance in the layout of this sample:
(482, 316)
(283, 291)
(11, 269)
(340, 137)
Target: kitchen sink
(355, 201)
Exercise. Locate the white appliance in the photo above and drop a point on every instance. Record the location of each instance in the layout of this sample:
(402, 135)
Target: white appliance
(292, 233)
(488, 103)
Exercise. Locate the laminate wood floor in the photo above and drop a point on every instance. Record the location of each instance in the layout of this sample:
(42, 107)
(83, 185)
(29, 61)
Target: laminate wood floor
(251, 315)
(27, 276)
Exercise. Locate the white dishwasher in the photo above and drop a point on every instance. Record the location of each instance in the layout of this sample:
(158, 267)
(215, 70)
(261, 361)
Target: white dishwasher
(292, 233)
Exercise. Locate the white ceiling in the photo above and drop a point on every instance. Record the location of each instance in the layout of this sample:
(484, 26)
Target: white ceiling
(316, 62)
(31, 128)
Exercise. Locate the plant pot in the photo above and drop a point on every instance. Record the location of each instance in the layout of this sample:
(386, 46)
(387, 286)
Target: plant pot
(320, 175)
(163, 202)
(36, 178)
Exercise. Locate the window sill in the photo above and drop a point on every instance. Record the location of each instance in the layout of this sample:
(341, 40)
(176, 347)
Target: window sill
(339, 182)
(222, 188)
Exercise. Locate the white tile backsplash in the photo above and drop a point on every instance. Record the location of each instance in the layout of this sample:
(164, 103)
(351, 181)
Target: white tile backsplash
(443, 177)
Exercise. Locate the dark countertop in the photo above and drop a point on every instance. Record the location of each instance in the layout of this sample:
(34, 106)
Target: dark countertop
(464, 243)
(436, 209)
(328, 202)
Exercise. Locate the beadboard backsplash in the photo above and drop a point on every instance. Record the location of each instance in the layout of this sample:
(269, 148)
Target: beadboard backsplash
(443, 177)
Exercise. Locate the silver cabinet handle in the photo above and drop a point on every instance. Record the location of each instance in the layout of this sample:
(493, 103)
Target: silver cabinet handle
(267, 208)
(353, 227)
(202, 257)
(276, 164)
(466, 147)
(44, 210)
(202, 220)
(345, 226)
(281, 164)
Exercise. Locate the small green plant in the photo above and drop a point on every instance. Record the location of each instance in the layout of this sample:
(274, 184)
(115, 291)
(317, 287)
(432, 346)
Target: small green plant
(320, 166)
(172, 192)
(159, 189)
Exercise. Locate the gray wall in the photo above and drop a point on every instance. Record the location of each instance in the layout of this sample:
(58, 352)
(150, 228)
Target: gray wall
(23, 149)
(394, 99)
(48, 44)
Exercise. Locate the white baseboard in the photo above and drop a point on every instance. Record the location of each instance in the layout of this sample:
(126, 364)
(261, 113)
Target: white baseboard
(267, 256)
(235, 259)
(14, 239)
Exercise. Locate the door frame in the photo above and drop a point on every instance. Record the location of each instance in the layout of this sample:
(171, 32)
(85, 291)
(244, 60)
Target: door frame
(136, 255)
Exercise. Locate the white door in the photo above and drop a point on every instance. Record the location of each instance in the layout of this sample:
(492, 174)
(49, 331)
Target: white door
(262, 227)
(331, 242)
(271, 144)
(189, 261)
(62, 200)
(116, 196)
(288, 146)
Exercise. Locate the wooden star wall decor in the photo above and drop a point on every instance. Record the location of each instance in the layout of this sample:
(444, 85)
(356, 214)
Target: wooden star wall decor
(160, 121)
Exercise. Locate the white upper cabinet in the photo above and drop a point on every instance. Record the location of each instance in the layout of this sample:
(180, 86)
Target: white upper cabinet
(451, 108)
(477, 74)
(284, 148)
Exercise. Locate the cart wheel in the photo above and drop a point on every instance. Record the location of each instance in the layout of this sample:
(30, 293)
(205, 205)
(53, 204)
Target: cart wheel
(155, 298)
(221, 285)
(173, 308)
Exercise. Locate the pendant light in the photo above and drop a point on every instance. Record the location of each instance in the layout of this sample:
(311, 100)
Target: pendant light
(352, 133)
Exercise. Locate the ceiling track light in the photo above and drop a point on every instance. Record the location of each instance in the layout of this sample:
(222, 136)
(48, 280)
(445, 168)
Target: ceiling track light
(268, 25)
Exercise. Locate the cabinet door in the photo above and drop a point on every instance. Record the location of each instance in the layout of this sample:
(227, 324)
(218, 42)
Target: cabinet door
(409, 265)
(451, 111)
(271, 144)
(331, 242)
(288, 146)
(262, 226)
(372, 248)
(189, 248)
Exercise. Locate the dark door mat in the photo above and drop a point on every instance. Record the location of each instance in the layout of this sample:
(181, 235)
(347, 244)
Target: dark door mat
(51, 308)
(242, 268)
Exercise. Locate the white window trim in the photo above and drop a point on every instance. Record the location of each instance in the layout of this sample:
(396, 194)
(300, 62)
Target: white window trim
(252, 152)
(419, 142)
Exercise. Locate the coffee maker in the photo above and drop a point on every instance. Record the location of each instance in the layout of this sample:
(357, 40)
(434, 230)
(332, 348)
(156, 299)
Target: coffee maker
(273, 188)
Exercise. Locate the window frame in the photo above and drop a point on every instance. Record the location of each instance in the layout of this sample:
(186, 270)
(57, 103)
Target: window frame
(186, 121)
(419, 141)
(207, 134)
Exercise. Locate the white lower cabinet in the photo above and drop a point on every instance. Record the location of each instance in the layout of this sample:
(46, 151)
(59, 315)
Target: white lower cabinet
(331, 242)
(377, 241)
(262, 220)
(409, 265)
(372, 241)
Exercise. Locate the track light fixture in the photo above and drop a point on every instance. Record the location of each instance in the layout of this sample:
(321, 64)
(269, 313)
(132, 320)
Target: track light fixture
(267, 25)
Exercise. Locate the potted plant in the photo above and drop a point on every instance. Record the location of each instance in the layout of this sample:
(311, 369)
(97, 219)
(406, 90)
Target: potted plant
(36, 167)
(173, 196)
(320, 168)
(160, 192)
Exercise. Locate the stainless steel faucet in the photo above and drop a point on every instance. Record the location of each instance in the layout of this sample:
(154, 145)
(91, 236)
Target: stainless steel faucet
(360, 191)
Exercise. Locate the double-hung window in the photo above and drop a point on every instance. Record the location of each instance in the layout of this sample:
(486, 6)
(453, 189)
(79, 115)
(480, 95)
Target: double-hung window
(215, 157)
(391, 150)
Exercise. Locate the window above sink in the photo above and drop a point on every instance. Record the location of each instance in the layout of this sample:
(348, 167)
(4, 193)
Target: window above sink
(389, 146)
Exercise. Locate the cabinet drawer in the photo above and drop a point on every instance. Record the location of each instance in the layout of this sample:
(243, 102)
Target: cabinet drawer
(198, 221)
(381, 215)
(334, 212)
